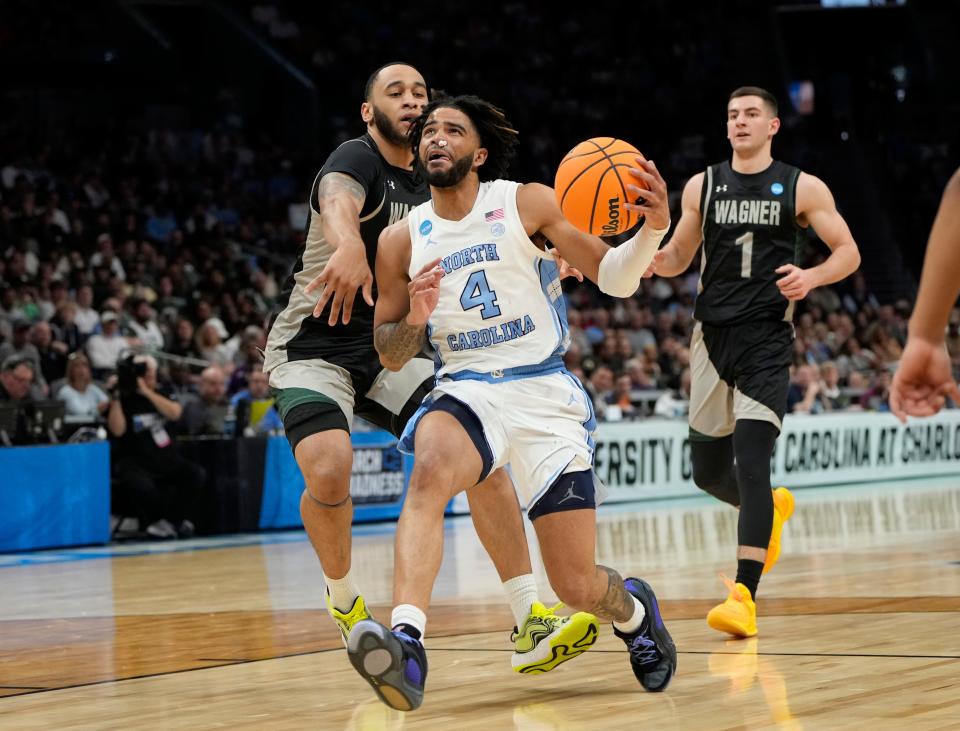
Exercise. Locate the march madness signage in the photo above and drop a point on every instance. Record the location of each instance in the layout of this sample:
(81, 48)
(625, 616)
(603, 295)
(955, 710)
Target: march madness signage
(377, 475)
(651, 459)
(378, 481)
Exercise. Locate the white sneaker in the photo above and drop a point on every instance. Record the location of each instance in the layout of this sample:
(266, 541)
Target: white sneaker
(163, 528)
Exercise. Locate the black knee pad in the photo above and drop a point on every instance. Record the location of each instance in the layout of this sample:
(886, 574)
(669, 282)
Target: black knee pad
(312, 418)
(570, 491)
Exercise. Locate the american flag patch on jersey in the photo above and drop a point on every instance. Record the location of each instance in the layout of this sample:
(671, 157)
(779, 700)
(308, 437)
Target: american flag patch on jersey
(496, 215)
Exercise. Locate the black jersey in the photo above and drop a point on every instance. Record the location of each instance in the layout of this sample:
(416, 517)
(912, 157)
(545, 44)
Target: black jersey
(390, 194)
(749, 230)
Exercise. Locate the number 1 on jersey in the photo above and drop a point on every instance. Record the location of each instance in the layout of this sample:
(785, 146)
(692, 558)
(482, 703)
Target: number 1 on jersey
(477, 293)
(746, 260)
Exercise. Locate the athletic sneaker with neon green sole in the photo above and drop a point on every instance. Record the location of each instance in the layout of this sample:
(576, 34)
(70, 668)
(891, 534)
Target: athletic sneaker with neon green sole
(547, 640)
(783, 504)
(346, 621)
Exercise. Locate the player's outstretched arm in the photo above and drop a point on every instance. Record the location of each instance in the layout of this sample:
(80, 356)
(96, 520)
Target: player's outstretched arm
(924, 377)
(616, 270)
(816, 207)
(674, 258)
(940, 281)
(403, 306)
(340, 199)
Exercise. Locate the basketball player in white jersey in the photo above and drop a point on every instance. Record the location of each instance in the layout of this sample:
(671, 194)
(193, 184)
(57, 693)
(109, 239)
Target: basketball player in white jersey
(463, 273)
(324, 371)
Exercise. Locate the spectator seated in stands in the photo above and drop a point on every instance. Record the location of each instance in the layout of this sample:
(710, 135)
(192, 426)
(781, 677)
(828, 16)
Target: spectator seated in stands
(106, 347)
(209, 339)
(17, 374)
(86, 317)
(619, 403)
(21, 346)
(151, 481)
(675, 404)
(600, 386)
(143, 325)
(65, 328)
(52, 353)
(250, 343)
(877, 397)
(206, 414)
(804, 395)
(84, 401)
(182, 340)
(830, 393)
(254, 407)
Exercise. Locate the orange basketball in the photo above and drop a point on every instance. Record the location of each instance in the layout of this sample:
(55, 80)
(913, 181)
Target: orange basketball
(591, 186)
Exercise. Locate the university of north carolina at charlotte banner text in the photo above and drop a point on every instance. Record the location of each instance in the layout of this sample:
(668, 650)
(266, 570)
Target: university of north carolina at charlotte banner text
(651, 459)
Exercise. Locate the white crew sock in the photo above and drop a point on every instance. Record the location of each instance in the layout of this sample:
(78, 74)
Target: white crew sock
(342, 592)
(632, 624)
(521, 593)
(409, 614)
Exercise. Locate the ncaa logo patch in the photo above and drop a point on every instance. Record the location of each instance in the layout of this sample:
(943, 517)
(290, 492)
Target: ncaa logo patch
(498, 229)
(426, 227)
(776, 188)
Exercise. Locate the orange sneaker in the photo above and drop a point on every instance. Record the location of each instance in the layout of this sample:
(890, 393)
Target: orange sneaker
(783, 503)
(737, 615)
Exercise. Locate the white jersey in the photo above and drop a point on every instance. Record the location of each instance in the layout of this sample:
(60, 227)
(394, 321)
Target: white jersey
(501, 307)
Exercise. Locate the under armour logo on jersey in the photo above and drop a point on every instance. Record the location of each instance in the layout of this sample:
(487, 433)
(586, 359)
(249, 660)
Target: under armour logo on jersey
(393, 186)
(722, 188)
(571, 495)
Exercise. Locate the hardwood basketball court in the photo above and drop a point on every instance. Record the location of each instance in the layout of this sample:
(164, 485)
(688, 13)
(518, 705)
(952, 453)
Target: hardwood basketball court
(859, 629)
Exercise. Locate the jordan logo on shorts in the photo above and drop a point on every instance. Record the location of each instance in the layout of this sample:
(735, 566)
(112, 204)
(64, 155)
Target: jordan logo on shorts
(570, 495)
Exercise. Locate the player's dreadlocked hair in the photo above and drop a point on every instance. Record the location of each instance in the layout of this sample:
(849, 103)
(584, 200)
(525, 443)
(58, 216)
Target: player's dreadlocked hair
(497, 135)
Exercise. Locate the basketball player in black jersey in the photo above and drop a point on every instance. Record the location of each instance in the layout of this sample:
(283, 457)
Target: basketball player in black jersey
(749, 213)
(324, 369)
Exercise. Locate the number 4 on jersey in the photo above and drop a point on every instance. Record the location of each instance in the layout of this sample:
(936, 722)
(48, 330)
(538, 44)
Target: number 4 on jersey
(477, 293)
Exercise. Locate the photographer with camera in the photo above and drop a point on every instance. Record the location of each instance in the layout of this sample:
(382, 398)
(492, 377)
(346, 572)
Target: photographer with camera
(151, 480)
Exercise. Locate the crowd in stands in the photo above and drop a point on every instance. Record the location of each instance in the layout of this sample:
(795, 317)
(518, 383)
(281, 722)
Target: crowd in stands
(175, 240)
(140, 260)
(175, 244)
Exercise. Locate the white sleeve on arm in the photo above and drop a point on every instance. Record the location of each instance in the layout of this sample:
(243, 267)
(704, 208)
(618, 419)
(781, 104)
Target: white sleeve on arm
(622, 267)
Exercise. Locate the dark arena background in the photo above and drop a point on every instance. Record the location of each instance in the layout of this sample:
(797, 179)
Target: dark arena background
(157, 161)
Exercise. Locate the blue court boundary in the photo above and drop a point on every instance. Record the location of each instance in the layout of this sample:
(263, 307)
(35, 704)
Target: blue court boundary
(152, 548)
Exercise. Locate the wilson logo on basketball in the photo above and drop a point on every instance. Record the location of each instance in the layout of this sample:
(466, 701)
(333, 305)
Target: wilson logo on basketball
(591, 185)
(612, 225)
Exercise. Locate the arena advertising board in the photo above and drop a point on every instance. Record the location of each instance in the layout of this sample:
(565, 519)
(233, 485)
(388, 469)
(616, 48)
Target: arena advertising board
(651, 459)
(377, 482)
(378, 476)
(645, 460)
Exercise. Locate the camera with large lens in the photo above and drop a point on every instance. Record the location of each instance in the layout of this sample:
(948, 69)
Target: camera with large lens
(128, 371)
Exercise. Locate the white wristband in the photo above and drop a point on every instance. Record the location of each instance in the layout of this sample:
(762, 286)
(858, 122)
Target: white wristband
(622, 267)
